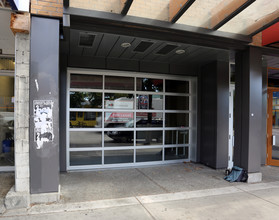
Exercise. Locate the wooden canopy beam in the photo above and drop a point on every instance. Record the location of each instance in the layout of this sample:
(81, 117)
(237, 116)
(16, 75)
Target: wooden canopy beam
(126, 6)
(263, 23)
(20, 23)
(226, 10)
(177, 8)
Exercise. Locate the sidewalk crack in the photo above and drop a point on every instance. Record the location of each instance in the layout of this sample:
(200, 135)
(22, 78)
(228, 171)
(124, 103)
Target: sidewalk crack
(161, 187)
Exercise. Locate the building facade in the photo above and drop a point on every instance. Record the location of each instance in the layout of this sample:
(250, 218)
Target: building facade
(123, 83)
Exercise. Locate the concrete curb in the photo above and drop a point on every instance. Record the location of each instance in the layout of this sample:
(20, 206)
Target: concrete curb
(139, 200)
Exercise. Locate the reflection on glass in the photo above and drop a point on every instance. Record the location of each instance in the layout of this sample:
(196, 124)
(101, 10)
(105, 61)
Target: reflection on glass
(152, 102)
(85, 119)
(85, 100)
(149, 119)
(119, 101)
(177, 86)
(119, 119)
(149, 137)
(146, 155)
(119, 83)
(78, 158)
(80, 139)
(6, 120)
(177, 103)
(119, 138)
(176, 137)
(145, 84)
(119, 156)
(275, 152)
(177, 119)
(275, 110)
(175, 153)
(86, 81)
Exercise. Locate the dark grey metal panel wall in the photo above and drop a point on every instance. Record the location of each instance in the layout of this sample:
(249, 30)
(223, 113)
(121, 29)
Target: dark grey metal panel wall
(264, 112)
(215, 115)
(62, 115)
(44, 84)
(248, 96)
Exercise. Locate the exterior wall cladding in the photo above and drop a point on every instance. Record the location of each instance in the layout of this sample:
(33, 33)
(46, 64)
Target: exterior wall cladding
(215, 86)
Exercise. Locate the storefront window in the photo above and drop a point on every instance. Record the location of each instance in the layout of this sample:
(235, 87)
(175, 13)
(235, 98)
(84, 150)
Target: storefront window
(6, 121)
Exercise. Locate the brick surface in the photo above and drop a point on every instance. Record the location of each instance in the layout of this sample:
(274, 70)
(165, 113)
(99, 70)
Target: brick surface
(51, 8)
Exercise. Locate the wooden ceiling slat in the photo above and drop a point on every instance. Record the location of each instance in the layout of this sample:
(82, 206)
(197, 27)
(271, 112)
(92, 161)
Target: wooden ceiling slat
(177, 8)
(263, 23)
(226, 10)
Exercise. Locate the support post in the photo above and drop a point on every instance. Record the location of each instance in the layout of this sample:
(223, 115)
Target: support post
(248, 112)
(44, 109)
(215, 115)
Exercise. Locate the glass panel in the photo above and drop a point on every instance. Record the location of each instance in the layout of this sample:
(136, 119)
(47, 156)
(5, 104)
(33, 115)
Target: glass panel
(176, 137)
(154, 85)
(153, 102)
(275, 125)
(149, 137)
(7, 64)
(6, 121)
(85, 100)
(177, 103)
(149, 119)
(119, 101)
(119, 83)
(177, 86)
(177, 120)
(86, 81)
(119, 119)
(85, 158)
(119, 138)
(119, 156)
(85, 139)
(145, 155)
(85, 119)
(175, 153)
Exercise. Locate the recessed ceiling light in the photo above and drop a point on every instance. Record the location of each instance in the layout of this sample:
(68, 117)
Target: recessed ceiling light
(180, 51)
(125, 44)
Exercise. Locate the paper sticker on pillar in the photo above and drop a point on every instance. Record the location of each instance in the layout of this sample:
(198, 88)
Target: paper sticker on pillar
(43, 122)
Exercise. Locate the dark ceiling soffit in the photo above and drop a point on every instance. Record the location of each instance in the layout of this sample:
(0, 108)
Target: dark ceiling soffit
(91, 20)
(264, 27)
(66, 3)
(233, 14)
(268, 51)
(126, 7)
(182, 10)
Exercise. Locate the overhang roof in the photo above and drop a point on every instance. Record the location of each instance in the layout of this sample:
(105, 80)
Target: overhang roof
(245, 17)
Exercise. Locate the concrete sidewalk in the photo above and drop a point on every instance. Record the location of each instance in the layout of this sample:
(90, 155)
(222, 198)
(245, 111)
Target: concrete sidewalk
(247, 201)
(177, 191)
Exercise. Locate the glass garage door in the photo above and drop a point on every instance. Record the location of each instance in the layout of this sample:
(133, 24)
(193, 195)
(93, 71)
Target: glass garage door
(116, 119)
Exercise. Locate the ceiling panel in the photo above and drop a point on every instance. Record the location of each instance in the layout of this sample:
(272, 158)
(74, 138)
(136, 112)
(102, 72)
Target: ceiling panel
(109, 46)
(117, 50)
(91, 51)
(106, 45)
(75, 49)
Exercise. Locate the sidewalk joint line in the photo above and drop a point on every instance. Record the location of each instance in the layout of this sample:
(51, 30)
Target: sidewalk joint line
(145, 209)
(163, 188)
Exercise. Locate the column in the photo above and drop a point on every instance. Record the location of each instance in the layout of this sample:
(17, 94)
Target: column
(248, 112)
